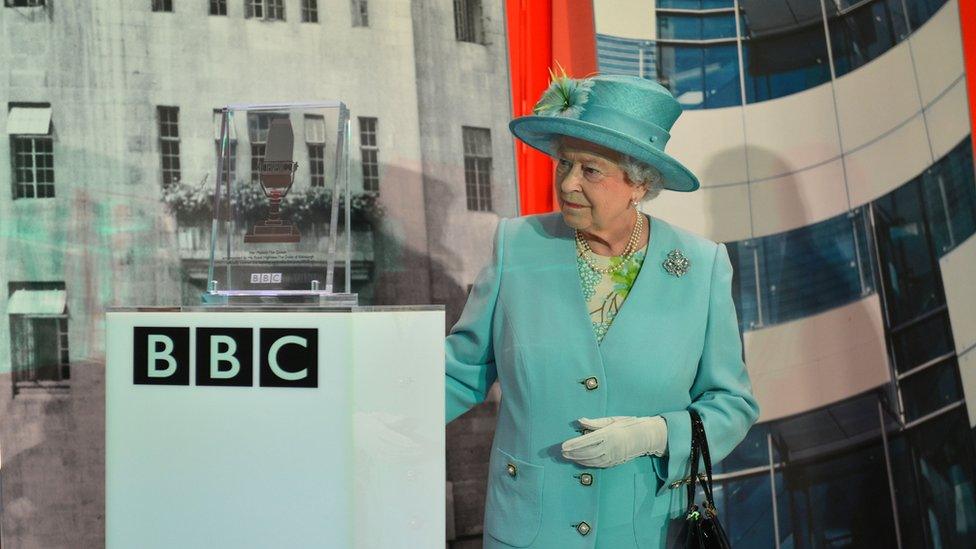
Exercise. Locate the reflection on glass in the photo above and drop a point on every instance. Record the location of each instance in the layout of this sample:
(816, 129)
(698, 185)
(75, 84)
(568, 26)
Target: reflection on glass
(745, 510)
(950, 197)
(911, 277)
(841, 501)
(938, 509)
(695, 27)
(722, 76)
(713, 4)
(784, 514)
(782, 65)
(680, 4)
(864, 33)
(752, 452)
(679, 27)
(700, 76)
(742, 255)
(903, 477)
(808, 270)
(919, 11)
(680, 70)
(930, 389)
(919, 342)
(802, 272)
(625, 56)
(718, 26)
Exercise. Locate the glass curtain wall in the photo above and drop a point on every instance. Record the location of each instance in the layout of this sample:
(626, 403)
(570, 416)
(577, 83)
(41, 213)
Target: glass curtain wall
(895, 466)
(798, 273)
(783, 43)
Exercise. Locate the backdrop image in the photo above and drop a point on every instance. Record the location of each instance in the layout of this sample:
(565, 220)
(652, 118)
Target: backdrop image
(832, 139)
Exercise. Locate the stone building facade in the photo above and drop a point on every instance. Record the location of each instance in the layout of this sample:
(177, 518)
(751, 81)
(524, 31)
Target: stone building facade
(83, 227)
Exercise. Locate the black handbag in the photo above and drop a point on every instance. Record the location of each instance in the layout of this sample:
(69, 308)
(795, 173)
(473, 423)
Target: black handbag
(702, 528)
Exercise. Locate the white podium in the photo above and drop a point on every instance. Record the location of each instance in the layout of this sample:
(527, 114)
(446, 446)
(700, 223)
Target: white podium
(243, 428)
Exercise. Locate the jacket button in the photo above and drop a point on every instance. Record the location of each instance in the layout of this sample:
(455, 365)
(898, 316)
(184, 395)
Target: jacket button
(583, 528)
(591, 383)
(586, 479)
(512, 469)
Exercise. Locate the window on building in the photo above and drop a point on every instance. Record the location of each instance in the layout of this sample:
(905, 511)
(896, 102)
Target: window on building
(370, 152)
(227, 167)
(697, 55)
(921, 340)
(675, 26)
(477, 167)
(861, 33)
(169, 143)
(799, 273)
(360, 13)
(468, 21)
(694, 4)
(909, 265)
(229, 162)
(315, 139)
(162, 5)
(38, 333)
(218, 7)
(310, 11)
(705, 76)
(949, 191)
(258, 124)
(31, 149)
(919, 11)
(22, 3)
(784, 64)
(617, 55)
(265, 9)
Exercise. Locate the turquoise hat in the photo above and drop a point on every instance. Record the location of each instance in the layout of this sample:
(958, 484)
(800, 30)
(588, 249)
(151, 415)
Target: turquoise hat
(628, 114)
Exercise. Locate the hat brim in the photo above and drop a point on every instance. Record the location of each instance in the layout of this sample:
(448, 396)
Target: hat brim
(538, 132)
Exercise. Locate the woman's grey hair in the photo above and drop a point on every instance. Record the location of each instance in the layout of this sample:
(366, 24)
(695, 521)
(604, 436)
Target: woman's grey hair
(640, 173)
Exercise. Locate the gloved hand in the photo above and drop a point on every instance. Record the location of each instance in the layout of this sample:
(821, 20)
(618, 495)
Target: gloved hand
(617, 439)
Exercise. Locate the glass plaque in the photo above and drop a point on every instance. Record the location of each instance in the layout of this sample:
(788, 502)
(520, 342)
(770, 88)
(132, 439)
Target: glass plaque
(281, 205)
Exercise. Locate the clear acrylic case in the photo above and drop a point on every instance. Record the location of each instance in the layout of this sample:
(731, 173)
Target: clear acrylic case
(278, 228)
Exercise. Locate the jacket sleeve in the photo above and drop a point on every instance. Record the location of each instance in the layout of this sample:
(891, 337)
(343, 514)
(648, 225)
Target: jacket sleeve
(721, 393)
(468, 352)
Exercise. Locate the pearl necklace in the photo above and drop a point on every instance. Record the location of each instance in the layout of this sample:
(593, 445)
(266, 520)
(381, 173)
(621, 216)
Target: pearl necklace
(584, 248)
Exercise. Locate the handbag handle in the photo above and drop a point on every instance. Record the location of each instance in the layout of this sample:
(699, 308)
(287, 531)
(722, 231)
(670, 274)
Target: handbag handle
(699, 447)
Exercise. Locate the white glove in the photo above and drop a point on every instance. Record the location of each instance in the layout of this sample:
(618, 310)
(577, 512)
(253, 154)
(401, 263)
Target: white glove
(617, 439)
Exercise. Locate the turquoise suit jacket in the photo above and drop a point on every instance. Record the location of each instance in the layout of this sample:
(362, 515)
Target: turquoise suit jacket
(673, 345)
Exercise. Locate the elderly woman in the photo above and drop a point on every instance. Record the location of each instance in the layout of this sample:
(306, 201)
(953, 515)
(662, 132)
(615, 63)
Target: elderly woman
(603, 326)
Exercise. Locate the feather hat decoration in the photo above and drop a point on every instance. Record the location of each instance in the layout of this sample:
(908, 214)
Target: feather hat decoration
(565, 96)
(628, 114)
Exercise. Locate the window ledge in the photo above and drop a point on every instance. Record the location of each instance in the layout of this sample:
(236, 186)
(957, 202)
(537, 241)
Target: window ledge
(42, 388)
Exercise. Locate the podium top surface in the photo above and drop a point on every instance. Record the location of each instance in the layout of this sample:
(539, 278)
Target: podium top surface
(274, 309)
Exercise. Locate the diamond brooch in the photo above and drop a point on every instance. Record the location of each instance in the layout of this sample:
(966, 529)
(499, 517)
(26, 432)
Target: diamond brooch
(676, 264)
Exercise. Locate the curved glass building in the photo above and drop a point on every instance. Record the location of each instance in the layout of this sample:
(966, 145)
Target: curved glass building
(836, 159)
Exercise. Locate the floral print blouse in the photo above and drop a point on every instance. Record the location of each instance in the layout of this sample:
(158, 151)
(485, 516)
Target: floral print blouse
(605, 293)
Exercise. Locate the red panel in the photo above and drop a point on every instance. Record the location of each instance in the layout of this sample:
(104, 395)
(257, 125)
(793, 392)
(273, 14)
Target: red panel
(574, 37)
(540, 34)
(967, 17)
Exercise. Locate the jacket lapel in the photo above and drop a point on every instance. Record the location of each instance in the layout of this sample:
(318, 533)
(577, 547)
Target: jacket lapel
(645, 295)
(567, 282)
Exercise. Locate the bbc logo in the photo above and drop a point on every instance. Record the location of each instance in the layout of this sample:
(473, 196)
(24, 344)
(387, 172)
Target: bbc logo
(265, 278)
(288, 357)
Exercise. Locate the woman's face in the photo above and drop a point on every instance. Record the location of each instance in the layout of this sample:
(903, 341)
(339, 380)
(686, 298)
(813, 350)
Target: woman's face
(594, 192)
